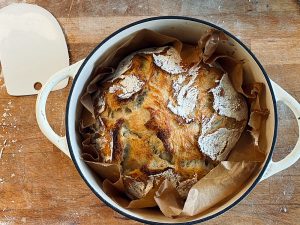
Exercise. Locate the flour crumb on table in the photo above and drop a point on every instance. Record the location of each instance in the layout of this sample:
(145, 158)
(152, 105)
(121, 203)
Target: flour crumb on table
(8, 125)
(3, 147)
(283, 209)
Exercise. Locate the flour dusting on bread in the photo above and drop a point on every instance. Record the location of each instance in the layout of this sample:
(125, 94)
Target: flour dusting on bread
(218, 144)
(194, 70)
(126, 63)
(177, 84)
(186, 97)
(227, 101)
(128, 86)
(169, 62)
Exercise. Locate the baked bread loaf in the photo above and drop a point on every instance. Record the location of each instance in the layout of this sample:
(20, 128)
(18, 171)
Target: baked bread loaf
(160, 119)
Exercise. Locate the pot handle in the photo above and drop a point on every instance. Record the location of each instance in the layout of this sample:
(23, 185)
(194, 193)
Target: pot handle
(294, 155)
(40, 110)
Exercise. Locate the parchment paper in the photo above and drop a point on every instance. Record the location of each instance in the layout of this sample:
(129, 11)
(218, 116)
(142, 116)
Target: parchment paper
(222, 181)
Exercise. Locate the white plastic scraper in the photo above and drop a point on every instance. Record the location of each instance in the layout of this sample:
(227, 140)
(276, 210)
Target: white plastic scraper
(32, 48)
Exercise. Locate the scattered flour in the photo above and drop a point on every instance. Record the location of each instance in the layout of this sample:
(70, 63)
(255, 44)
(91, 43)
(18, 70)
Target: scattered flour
(207, 124)
(123, 66)
(8, 122)
(139, 189)
(194, 70)
(111, 146)
(100, 103)
(129, 86)
(283, 209)
(218, 144)
(186, 96)
(152, 50)
(227, 102)
(126, 63)
(168, 174)
(3, 147)
(177, 84)
(170, 62)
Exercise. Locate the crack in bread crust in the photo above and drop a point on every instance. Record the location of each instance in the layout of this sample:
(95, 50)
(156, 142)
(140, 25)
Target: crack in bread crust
(117, 148)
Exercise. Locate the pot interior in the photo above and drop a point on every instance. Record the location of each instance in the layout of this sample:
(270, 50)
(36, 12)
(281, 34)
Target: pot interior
(187, 31)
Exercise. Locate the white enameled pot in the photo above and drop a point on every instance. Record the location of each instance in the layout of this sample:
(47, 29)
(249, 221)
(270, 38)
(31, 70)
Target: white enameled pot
(187, 30)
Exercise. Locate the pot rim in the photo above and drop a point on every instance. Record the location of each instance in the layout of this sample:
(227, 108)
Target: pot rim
(269, 157)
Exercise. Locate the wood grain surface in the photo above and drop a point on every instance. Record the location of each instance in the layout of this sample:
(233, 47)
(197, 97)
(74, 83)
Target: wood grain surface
(40, 185)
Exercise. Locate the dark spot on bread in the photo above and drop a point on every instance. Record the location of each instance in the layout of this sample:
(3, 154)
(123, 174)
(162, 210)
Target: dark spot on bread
(128, 110)
(149, 172)
(126, 150)
(222, 92)
(163, 136)
(140, 99)
(97, 135)
(117, 148)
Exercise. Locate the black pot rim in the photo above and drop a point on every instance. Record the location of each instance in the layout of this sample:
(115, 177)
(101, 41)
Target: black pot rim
(188, 19)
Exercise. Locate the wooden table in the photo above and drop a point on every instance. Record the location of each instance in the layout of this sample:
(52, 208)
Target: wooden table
(39, 184)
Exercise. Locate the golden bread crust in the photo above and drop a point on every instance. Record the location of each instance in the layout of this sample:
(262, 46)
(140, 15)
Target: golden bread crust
(146, 130)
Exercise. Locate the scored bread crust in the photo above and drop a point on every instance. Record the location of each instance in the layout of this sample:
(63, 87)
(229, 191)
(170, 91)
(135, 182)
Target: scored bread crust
(160, 119)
